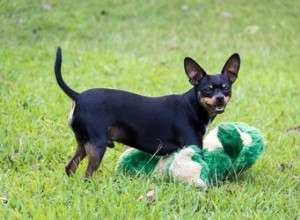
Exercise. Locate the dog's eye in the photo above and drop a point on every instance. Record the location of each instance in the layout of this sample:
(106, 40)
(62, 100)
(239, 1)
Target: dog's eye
(207, 90)
(226, 89)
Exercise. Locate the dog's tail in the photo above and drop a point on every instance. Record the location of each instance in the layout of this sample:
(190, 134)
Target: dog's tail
(57, 69)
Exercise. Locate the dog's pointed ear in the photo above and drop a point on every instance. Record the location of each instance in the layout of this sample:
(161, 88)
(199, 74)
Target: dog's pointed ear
(232, 66)
(193, 71)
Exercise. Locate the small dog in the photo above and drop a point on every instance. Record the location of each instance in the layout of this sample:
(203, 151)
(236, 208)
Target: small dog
(157, 125)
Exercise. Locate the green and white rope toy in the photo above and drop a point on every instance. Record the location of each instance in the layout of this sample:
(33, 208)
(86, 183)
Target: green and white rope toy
(228, 149)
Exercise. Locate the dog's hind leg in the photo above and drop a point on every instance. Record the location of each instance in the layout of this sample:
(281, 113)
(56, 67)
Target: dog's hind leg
(79, 155)
(95, 153)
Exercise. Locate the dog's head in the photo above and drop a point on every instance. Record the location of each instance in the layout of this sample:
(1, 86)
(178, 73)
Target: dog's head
(213, 91)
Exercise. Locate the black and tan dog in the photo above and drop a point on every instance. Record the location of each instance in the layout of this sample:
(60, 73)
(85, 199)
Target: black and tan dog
(157, 125)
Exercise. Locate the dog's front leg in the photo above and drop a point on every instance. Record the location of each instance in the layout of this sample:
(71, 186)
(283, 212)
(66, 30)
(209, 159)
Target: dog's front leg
(79, 155)
(95, 155)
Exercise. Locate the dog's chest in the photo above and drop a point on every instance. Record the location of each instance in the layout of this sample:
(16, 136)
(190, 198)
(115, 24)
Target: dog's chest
(206, 126)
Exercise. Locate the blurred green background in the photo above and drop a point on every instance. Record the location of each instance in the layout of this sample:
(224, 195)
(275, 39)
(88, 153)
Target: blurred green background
(139, 46)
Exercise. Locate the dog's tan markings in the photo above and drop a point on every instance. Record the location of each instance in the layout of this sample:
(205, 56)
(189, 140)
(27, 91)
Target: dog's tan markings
(227, 99)
(79, 155)
(70, 118)
(95, 155)
(212, 101)
(205, 101)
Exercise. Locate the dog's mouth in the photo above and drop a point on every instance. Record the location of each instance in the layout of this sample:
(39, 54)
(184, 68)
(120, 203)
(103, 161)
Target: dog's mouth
(214, 106)
(217, 109)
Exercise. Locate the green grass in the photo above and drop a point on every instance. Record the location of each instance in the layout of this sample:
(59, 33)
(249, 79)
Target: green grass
(140, 46)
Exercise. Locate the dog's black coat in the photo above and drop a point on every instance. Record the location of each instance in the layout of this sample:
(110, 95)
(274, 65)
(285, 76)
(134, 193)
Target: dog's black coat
(157, 125)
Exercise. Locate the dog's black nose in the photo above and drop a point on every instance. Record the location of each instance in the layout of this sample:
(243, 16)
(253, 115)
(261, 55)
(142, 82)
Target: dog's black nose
(220, 98)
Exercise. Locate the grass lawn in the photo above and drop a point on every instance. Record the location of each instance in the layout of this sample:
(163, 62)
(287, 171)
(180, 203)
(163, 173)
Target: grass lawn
(139, 46)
